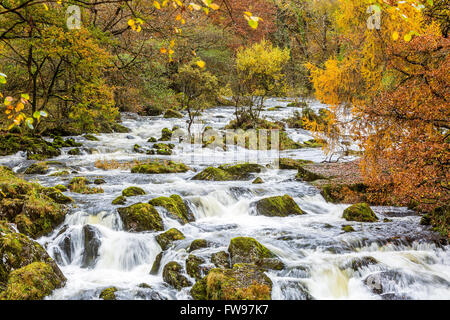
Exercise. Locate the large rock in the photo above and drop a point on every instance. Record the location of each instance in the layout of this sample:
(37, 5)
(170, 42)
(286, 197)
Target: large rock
(229, 172)
(167, 238)
(141, 217)
(176, 208)
(172, 114)
(360, 212)
(56, 195)
(32, 282)
(172, 274)
(157, 167)
(221, 259)
(278, 206)
(292, 164)
(198, 244)
(243, 282)
(108, 293)
(248, 250)
(156, 264)
(37, 168)
(92, 242)
(36, 148)
(193, 267)
(133, 191)
(307, 175)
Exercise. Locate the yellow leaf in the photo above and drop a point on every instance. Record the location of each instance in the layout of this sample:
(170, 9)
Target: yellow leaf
(183, 21)
(178, 17)
(171, 51)
(395, 36)
(214, 6)
(172, 43)
(407, 37)
(131, 22)
(195, 6)
(45, 6)
(248, 13)
(139, 28)
(163, 50)
(157, 5)
(19, 107)
(201, 63)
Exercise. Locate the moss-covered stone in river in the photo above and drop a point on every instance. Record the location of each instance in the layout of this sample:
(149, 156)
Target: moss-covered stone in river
(133, 191)
(213, 174)
(119, 200)
(156, 264)
(37, 168)
(141, 217)
(108, 293)
(360, 212)
(292, 164)
(166, 134)
(74, 152)
(258, 180)
(307, 175)
(167, 238)
(56, 195)
(248, 250)
(99, 181)
(160, 166)
(60, 187)
(152, 139)
(193, 268)
(175, 207)
(36, 148)
(172, 114)
(90, 137)
(243, 282)
(198, 244)
(229, 172)
(347, 228)
(278, 206)
(172, 274)
(80, 185)
(32, 282)
(60, 173)
(221, 259)
(439, 218)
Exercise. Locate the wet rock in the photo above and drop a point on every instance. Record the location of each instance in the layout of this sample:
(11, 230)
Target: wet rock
(66, 246)
(92, 242)
(156, 264)
(154, 167)
(307, 175)
(119, 200)
(152, 139)
(74, 152)
(296, 290)
(229, 172)
(193, 268)
(278, 206)
(90, 137)
(248, 250)
(172, 274)
(221, 259)
(60, 173)
(198, 244)
(36, 148)
(172, 114)
(108, 294)
(292, 164)
(32, 282)
(213, 174)
(60, 187)
(99, 181)
(360, 212)
(57, 196)
(243, 282)
(167, 238)
(358, 263)
(37, 168)
(133, 191)
(141, 217)
(258, 180)
(138, 149)
(176, 208)
(80, 185)
(166, 134)
(347, 228)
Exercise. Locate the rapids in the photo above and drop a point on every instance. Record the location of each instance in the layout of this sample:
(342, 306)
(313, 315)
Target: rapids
(316, 252)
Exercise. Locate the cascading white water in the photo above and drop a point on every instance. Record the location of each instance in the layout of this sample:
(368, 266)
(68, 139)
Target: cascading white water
(94, 251)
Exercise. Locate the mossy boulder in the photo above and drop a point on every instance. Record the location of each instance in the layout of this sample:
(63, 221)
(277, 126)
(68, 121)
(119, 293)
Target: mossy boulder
(278, 206)
(152, 139)
(347, 228)
(164, 152)
(37, 168)
(439, 218)
(119, 200)
(358, 263)
(166, 134)
(35, 147)
(344, 193)
(172, 114)
(167, 238)
(360, 212)
(60, 187)
(157, 167)
(172, 274)
(307, 175)
(59, 142)
(133, 191)
(292, 164)
(99, 181)
(56, 195)
(108, 293)
(258, 180)
(198, 244)
(176, 208)
(193, 268)
(32, 282)
(229, 172)
(150, 110)
(243, 282)
(221, 259)
(141, 217)
(80, 185)
(156, 264)
(90, 137)
(74, 152)
(248, 250)
(60, 173)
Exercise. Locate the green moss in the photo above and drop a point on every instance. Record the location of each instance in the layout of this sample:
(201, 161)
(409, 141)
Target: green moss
(60, 187)
(141, 217)
(56, 195)
(439, 218)
(175, 206)
(90, 137)
(221, 259)
(36, 148)
(99, 181)
(37, 168)
(198, 244)
(60, 173)
(278, 206)
(32, 282)
(193, 268)
(74, 152)
(347, 228)
(156, 264)
(157, 167)
(248, 250)
(172, 114)
(228, 172)
(360, 212)
(213, 174)
(108, 294)
(243, 282)
(80, 185)
(292, 164)
(307, 175)
(258, 180)
(172, 275)
(166, 134)
(167, 238)
(164, 152)
(152, 139)
(119, 200)
(133, 191)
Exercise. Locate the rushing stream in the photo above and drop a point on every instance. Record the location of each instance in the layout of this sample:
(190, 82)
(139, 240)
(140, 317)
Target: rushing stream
(316, 252)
